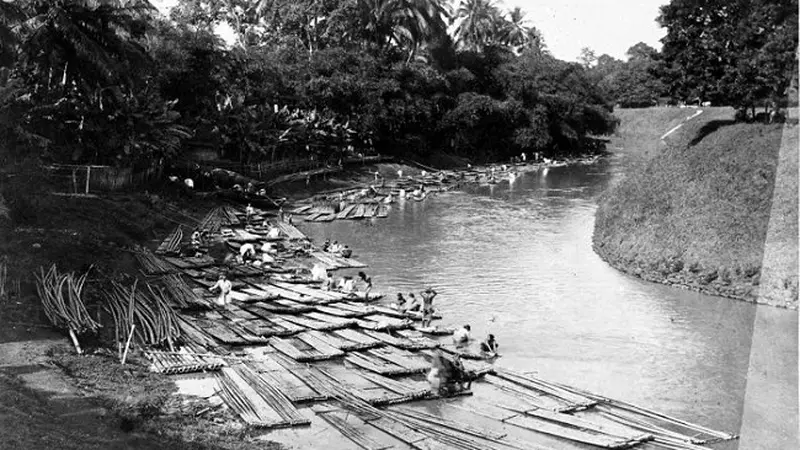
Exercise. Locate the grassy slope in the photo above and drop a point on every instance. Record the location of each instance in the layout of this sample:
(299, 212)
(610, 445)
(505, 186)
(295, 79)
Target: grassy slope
(694, 209)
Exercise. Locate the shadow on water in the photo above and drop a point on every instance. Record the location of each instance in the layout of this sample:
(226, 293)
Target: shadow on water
(516, 260)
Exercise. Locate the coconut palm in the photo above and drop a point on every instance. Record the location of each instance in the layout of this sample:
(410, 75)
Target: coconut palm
(478, 24)
(404, 23)
(515, 32)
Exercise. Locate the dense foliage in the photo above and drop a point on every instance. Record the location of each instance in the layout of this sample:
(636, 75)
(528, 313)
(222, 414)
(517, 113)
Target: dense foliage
(114, 82)
(736, 53)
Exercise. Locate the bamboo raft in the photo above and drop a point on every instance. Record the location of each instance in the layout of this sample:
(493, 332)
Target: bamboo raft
(305, 344)
(171, 363)
(171, 243)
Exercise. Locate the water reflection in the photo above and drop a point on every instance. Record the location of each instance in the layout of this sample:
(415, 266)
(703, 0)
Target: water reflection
(516, 260)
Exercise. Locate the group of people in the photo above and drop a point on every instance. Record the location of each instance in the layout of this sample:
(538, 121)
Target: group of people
(463, 336)
(336, 248)
(258, 255)
(425, 305)
(346, 284)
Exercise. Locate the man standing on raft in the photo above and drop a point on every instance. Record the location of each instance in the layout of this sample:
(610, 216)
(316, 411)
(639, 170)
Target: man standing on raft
(427, 306)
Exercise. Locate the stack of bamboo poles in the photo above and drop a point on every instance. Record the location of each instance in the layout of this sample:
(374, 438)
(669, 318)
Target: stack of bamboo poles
(171, 243)
(65, 311)
(143, 313)
(213, 221)
(178, 291)
(152, 264)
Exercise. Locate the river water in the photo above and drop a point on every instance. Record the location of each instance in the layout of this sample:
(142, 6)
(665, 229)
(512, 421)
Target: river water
(516, 260)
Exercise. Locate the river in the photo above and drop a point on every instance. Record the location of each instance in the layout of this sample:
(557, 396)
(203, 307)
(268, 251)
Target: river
(516, 260)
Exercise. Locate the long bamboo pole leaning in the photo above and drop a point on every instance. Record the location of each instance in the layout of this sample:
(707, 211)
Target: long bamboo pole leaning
(66, 313)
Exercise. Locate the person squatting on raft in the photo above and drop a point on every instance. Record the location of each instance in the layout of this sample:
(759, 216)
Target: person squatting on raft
(368, 282)
(490, 345)
(247, 252)
(462, 335)
(448, 376)
(427, 306)
(224, 286)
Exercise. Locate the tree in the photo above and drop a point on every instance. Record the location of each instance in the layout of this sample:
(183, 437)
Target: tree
(478, 24)
(587, 58)
(729, 52)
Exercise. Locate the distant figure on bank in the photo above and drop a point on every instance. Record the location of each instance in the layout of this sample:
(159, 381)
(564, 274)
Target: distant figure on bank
(368, 282)
(224, 287)
(427, 306)
(400, 173)
(490, 345)
(462, 336)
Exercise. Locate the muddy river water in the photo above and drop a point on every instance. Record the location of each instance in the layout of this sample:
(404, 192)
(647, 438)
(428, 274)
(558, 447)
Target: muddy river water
(515, 259)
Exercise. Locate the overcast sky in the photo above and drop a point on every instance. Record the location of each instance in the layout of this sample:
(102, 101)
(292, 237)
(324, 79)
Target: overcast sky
(606, 26)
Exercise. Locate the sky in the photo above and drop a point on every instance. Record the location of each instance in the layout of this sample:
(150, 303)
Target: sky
(605, 26)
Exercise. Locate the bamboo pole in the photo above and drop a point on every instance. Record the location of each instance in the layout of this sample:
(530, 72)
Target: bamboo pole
(128, 344)
(75, 341)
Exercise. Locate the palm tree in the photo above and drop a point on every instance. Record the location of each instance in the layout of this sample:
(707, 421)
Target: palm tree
(515, 32)
(405, 23)
(478, 24)
(85, 42)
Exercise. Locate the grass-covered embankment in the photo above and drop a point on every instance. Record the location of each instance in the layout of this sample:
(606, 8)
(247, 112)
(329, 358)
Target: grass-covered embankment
(694, 209)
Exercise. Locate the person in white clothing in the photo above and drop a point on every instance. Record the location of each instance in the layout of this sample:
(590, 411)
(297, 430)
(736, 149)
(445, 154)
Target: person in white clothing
(189, 183)
(274, 232)
(318, 273)
(462, 336)
(224, 286)
(247, 251)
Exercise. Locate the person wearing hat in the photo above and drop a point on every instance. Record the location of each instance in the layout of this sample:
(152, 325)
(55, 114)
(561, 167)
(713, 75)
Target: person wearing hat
(224, 286)
(427, 306)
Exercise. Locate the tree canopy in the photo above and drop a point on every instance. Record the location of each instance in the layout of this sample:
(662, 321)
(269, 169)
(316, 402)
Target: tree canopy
(114, 82)
(729, 52)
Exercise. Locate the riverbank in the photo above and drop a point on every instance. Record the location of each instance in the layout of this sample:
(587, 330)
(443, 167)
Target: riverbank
(699, 195)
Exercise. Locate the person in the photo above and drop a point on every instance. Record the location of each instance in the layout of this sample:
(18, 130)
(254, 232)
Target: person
(274, 232)
(348, 285)
(401, 302)
(249, 212)
(196, 238)
(461, 336)
(346, 252)
(368, 281)
(388, 199)
(224, 287)
(290, 220)
(328, 283)
(524, 157)
(189, 183)
(427, 306)
(400, 173)
(336, 247)
(489, 345)
(413, 303)
(247, 251)
(326, 245)
(318, 272)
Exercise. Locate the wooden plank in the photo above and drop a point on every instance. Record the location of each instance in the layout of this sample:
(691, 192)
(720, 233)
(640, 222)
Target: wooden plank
(376, 364)
(300, 350)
